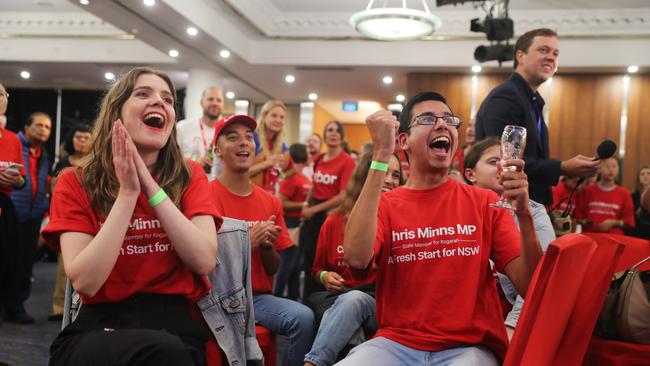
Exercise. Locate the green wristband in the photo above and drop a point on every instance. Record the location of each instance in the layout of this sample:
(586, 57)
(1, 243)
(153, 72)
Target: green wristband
(322, 275)
(378, 165)
(157, 198)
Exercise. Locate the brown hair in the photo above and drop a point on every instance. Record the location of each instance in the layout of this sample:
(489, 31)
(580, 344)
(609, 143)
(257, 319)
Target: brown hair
(526, 39)
(639, 187)
(475, 153)
(99, 179)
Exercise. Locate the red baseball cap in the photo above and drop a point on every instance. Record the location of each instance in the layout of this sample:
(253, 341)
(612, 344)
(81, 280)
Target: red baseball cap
(235, 118)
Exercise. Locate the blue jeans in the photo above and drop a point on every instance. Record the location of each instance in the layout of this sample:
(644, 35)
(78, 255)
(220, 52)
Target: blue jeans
(545, 235)
(340, 324)
(382, 351)
(288, 318)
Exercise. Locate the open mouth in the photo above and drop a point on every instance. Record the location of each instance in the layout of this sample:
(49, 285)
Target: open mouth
(243, 154)
(440, 144)
(155, 120)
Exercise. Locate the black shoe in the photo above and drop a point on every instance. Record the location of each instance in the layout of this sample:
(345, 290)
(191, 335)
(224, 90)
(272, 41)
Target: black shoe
(19, 317)
(55, 317)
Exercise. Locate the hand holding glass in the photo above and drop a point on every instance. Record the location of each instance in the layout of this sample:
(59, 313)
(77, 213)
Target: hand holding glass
(513, 144)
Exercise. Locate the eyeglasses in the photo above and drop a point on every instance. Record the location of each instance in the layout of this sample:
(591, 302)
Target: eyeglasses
(429, 119)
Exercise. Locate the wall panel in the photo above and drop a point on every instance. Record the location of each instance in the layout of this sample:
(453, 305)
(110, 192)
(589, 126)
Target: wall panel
(638, 129)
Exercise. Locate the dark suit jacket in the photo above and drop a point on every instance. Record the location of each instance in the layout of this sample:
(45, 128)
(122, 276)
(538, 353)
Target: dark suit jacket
(512, 103)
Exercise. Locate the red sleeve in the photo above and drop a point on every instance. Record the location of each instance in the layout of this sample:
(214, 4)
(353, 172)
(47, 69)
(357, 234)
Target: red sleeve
(287, 187)
(346, 173)
(505, 236)
(283, 241)
(320, 260)
(628, 209)
(197, 198)
(70, 210)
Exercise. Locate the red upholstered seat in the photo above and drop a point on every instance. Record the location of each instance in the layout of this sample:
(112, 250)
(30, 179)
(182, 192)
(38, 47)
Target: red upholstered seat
(559, 313)
(265, 338)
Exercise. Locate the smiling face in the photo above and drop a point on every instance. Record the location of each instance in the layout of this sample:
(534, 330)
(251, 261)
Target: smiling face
(274, 120)
(539, 63)
(212, 103)
(236, 147)
(148, 114)
(430, 147)
(485, 174)
(392, 178)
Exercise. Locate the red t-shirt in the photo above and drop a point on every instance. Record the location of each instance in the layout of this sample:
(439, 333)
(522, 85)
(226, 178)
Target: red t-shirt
(295, 188)
(147, 262)
(329, 252)
(561, 194)
(598, 205)
(403, 160)
(34, 155)
(435, 289)
(330, 177)
(258, 206)
(10, 153)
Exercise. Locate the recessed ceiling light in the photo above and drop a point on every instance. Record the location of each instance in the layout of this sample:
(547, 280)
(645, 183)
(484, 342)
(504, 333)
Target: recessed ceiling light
(149, 2)
(241, 103)
(289, 78)
(312, 96)
(632, 69)
(25, 74)
(84, 2)
(173, 53)
(230, 95)
(109, 76)
(387, 80)
(400, 98)
(476, 69)
(224, 53)
(192, 31)
(396, 107)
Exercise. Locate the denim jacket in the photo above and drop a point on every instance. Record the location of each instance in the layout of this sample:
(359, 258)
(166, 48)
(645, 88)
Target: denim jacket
(228, 307)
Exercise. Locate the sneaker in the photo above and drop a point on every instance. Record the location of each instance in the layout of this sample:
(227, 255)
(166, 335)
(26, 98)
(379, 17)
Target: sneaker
(19, 317)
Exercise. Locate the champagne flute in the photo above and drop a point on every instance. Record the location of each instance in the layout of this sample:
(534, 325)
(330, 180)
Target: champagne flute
(513, 144)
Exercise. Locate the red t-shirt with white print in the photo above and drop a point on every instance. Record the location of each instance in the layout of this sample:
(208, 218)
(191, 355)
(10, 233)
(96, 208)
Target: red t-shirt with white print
(598, 205)
(435, 289)
(329, 252)
(10, 153)
(147, 262)
(295, 188)
(330, 177)
(258, 206)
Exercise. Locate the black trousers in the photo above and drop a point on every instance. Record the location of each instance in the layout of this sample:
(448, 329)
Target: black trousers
(308, 241)
(9, 239)
(145, 329)
(20, 281)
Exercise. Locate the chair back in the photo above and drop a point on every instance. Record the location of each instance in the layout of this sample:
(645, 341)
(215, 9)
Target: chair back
(550, 324)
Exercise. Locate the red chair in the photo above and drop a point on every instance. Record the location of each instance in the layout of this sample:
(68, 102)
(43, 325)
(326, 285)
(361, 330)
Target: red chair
(604, 352)
(554, 319)
(265, 338)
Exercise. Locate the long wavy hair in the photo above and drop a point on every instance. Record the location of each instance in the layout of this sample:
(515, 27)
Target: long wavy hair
(99, 178)
(356, 182)
(276, 141)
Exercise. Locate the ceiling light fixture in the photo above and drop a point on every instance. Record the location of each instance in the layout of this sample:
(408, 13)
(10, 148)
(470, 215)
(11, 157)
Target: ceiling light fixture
(224, 53)
(84, 2)
(25, 74)
(173, 53)
(476, 69)
(109, 76)
(395, 107)
(289, 79)
(192, 31)
(400, 98)
(387, 80)
(395, 24)
(149, 2)
(230, 95)
(312, 96)
(632, 69)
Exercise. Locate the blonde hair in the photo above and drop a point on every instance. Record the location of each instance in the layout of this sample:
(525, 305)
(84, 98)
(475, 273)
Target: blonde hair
(99, 178)
(276, 142)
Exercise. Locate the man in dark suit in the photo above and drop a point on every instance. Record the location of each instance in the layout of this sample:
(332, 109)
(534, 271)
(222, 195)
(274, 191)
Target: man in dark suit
(517, 102)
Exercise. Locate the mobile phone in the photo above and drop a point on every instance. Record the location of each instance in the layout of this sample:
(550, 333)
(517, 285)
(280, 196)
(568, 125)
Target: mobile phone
(14, 167)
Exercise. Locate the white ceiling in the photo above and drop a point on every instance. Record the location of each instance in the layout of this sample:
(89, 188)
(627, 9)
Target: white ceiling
(65, 44)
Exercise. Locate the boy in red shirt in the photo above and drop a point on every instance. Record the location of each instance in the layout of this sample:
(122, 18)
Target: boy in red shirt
(238, 198)
(431, 241)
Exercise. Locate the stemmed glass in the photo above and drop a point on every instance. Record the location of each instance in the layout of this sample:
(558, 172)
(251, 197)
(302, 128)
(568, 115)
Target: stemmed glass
(513, 143)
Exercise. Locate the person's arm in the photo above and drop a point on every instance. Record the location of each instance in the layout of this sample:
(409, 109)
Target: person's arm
(520, 270)
(194, 240)
(326, 205)
(263, 235)
(361, 228)
(90, 260)
(287, 204)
